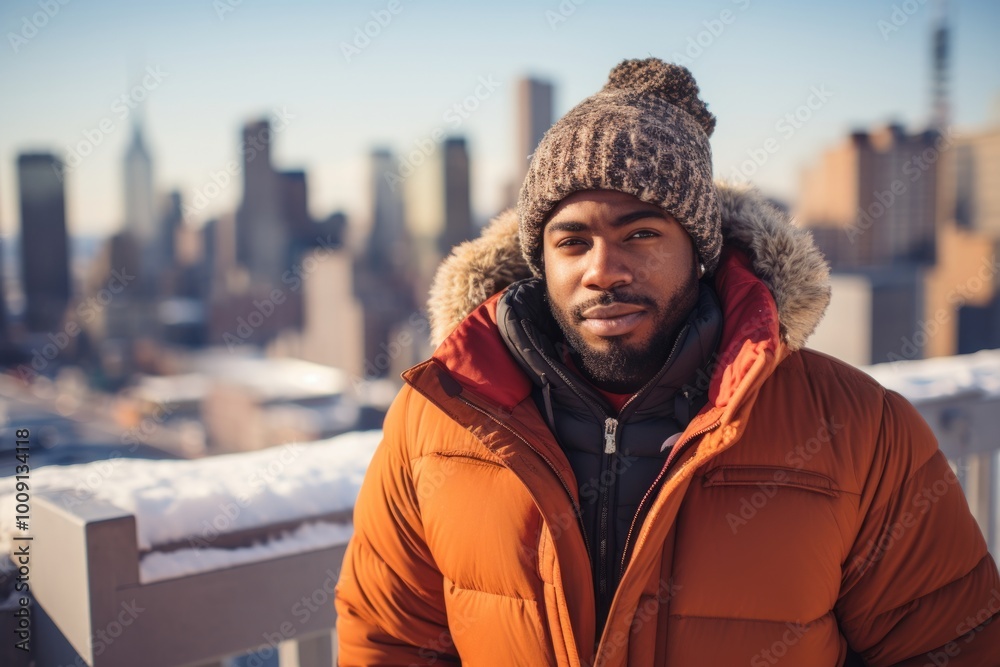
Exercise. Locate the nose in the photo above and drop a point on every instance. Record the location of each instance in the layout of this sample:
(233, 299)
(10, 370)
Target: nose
(607, 267)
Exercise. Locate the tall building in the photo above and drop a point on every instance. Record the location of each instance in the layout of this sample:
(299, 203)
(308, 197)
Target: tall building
(872, 199)
(438, 209)
(387, 250)
(533, 117)
(880, 306)
(171, 221)
(294, 193)
(963, 289)
(304, 232)
(458, 225)
(261, 231)
(971, 195)
(140, 210)
(44, 241)
(385, 274)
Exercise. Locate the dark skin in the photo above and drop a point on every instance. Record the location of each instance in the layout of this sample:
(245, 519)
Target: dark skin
(621, 279)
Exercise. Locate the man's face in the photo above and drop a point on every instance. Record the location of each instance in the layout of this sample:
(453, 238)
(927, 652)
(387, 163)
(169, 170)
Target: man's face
(621, 279)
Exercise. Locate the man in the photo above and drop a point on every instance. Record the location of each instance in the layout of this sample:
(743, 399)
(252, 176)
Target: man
(621, 453)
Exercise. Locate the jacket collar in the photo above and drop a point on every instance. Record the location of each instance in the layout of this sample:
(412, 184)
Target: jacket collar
(772, 282)
(532, 336)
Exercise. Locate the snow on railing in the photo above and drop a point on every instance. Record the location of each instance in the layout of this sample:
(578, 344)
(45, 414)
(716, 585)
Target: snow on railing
(178, 562)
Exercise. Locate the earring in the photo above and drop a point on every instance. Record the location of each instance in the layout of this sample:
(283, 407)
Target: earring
(701, 269)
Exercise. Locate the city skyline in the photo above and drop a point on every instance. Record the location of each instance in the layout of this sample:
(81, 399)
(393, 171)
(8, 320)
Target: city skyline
(314, 71)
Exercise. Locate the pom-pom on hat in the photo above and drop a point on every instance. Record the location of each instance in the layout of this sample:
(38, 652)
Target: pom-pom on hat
(644, 133)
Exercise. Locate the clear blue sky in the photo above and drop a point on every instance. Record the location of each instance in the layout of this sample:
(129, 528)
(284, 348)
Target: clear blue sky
(265, 54)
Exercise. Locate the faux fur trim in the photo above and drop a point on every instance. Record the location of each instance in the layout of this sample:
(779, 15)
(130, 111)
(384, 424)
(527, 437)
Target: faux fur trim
(783, 256)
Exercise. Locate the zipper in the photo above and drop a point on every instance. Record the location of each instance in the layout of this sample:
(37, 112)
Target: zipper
(608, 460)
(610, 429)
(610, 454)
(670, 458)
(610, 426)
(610, 451)
(562, 480)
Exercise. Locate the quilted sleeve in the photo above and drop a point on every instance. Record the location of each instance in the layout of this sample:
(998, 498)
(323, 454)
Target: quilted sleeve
(389, 599)
(919, 586)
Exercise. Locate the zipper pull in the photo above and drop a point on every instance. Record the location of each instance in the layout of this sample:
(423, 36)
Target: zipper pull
(610, 426)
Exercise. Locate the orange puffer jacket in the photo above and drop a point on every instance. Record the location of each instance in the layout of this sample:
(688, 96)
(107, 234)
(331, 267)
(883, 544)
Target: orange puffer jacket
(805, 509)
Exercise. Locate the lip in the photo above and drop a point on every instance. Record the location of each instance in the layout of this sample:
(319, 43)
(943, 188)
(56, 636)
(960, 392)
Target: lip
(607, 312)
(612, 321)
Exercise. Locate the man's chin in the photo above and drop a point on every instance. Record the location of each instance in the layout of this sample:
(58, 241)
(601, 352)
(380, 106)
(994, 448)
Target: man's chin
(630, 343)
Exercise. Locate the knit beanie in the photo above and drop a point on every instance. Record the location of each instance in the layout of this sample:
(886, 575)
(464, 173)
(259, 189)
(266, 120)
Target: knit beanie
(645, 133)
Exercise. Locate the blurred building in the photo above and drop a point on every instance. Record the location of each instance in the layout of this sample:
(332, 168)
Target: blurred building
(534, 116)
(44, 241)
(387, 271)
(871, 316)
(458, 226)
(171, 221)
(974, 173)
(438, 209)
(333, 329)
(257, 262)
(140, 210)
(262, 240)
(871, 200)
(963, 289)
(304, 232)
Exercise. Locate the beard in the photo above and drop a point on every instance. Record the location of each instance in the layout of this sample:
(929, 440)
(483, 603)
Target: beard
(622, 367)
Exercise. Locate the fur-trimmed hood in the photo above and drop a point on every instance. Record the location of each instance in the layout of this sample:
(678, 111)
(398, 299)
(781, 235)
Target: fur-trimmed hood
(783, 256)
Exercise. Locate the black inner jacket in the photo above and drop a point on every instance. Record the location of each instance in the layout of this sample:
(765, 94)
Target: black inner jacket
(615, 457)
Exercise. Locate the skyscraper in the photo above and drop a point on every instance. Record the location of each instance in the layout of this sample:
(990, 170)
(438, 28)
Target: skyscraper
(871, 200)
(261, 232)
(44, 242)
(140, 212)
(171, 221)
(438, 209)
(387, 248)
(457, 200)
(534, 118)
(384, 277)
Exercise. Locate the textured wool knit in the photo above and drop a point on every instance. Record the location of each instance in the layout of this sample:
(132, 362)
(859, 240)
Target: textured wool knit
(645, 133)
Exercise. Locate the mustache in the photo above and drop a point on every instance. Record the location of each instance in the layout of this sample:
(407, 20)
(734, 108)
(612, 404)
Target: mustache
(610, 297)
